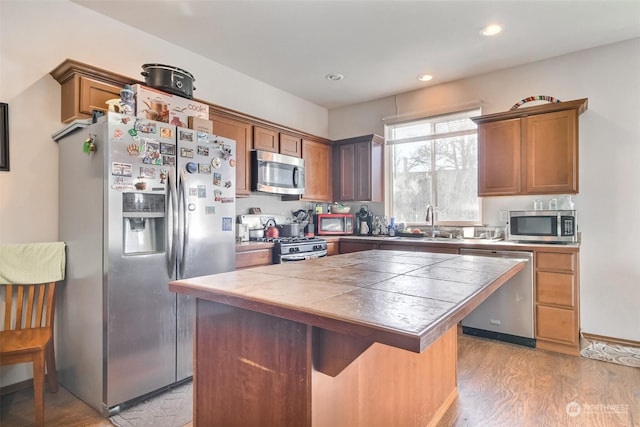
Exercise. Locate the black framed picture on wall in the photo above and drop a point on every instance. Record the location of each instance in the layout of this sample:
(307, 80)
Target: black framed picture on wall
(4, 136)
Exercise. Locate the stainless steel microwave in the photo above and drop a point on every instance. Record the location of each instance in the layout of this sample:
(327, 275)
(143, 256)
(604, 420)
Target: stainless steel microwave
(547, 226)
(276, 173)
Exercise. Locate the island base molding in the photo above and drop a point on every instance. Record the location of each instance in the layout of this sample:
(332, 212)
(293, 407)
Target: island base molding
(254, 369)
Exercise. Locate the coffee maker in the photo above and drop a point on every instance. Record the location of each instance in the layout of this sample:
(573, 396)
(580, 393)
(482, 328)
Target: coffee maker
(364, 220)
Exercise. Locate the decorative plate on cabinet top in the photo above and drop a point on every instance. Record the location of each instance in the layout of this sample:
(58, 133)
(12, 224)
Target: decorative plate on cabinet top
(547, 98)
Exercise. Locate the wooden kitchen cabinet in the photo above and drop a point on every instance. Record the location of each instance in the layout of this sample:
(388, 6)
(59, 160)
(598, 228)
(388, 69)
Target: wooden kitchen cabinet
(85, 88)
(254, 258)
(241, 132)
(530, 150)
(317, 175)
(557, 303)
(290, 145)
(347, 247)
(276, 142)
(359, 169)
(265, 139)
(333, 248)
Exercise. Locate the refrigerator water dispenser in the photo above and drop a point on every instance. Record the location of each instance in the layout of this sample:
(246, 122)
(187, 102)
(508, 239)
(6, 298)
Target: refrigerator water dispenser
(143, 217)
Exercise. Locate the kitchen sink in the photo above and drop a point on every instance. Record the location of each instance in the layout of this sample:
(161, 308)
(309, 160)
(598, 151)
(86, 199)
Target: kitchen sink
(446, 239)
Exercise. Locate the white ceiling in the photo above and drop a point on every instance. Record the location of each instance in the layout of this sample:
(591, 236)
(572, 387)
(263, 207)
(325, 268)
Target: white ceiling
(379, 46)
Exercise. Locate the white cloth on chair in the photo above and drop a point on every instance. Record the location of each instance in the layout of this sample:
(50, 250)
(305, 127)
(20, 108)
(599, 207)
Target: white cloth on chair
(32, 263)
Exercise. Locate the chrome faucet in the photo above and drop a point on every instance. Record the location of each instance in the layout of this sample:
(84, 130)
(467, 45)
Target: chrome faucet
(431, 220)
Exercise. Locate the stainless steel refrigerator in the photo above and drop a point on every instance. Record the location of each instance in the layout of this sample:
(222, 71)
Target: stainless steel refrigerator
(140, 203)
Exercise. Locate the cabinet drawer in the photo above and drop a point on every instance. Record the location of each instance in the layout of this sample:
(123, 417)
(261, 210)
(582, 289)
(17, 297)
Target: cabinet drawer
(254, 258)
(556, 261)
(556, 324)
(555, 288)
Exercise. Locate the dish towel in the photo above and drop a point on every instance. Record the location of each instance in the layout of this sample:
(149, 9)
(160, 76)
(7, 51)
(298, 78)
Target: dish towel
(32, 263)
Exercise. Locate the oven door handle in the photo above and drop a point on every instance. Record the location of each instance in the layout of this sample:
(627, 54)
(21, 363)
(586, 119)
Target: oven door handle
(303, 257)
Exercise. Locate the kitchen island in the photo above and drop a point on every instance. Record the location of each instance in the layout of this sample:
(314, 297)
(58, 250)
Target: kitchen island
(360, 339)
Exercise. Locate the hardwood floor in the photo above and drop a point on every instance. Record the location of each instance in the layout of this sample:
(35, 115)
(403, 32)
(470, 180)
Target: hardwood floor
(499, 385)
(502, 384)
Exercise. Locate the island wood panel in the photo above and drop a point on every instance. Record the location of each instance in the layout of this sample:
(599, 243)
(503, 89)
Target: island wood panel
(387, 386)
(254, 369)
(250, 369)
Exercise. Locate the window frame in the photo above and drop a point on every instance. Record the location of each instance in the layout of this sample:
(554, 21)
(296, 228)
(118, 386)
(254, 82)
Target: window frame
(468, 112)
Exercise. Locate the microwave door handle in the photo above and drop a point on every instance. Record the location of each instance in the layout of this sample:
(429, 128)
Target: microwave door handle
(296, 177)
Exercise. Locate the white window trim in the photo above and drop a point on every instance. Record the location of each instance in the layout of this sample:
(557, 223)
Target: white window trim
(389, 142)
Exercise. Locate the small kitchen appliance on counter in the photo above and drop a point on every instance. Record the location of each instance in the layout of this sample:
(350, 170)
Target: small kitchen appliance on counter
(546, 226)
(334, 224)
(364, 221)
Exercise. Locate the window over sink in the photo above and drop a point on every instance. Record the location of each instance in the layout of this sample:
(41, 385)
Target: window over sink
(434, 161)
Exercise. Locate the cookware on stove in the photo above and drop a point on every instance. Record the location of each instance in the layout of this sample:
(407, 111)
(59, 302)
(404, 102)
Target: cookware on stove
(290, 229)
(169, 79)
(271, 229)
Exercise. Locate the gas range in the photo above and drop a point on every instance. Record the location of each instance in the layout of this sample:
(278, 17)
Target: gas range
(287, 249)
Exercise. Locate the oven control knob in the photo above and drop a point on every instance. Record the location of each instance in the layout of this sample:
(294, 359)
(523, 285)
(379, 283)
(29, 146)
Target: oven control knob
(317, 247)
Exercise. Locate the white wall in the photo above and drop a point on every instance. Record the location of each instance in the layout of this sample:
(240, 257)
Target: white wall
(609, 200)
(35, 37)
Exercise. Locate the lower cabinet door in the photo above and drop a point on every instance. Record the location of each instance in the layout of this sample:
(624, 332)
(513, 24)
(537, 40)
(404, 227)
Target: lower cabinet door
(556, 324)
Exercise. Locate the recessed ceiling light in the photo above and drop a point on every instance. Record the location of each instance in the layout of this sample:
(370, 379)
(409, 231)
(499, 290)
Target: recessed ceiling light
(425, 77)
(491, 30)
(334, 77)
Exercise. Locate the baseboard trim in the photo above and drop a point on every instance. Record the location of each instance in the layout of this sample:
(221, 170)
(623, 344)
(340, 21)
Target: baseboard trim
(12, 388)
(607, 349)
(611, 340)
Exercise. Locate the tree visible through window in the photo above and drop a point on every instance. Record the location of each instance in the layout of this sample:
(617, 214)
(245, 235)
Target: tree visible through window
(434, 161)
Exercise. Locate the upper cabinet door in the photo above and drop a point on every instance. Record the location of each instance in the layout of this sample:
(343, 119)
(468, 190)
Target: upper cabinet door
(265, 139)
(499, 158)
(317, 171)
(345, 163)
(530, 150)
(241, 133)
(290, 145)
(359, 169)
(552, 152)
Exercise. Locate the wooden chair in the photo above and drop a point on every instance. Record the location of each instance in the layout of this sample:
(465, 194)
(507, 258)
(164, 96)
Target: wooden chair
(27, 326)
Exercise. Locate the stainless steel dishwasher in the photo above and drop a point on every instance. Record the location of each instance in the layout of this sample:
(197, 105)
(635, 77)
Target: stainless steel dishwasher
(507, 315)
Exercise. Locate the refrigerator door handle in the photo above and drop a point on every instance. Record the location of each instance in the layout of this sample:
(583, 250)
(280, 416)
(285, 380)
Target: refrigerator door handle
(173, 212)
(184, 222)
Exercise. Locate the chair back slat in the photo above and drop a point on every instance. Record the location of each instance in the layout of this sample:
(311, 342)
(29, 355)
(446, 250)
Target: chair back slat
(28, 306)
(40, 307)
(8, 301)
(19, 307)
(26, 321)
(51, 304)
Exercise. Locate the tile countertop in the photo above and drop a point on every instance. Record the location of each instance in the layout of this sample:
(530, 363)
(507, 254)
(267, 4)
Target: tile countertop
(463, 243)
(403, 299)
(426, 241)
